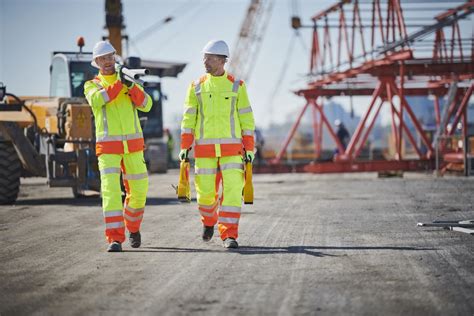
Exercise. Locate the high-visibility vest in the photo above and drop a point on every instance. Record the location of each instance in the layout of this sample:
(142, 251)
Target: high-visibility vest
(117, 125)
(217, 117)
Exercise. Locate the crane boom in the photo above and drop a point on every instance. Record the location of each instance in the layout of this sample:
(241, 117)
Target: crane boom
(250, 37)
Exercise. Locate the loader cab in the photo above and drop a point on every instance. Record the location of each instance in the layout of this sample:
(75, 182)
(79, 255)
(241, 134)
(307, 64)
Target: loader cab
(69, 72)
(153, 126)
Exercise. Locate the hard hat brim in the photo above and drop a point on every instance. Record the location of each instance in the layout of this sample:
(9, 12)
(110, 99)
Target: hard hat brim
(211, 53)
(94, 64)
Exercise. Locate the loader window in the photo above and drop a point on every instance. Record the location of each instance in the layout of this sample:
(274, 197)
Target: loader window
(154, 123)
(80, 73)
(59, 78)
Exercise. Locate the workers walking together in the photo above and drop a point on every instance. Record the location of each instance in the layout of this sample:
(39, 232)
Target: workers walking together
(218, 119)
(119, 146)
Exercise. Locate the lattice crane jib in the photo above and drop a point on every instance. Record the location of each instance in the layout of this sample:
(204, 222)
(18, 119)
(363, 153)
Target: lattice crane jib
(245, 51)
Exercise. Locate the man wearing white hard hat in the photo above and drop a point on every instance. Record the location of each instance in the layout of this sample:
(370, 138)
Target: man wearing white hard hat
(218, 119)
(119, 147)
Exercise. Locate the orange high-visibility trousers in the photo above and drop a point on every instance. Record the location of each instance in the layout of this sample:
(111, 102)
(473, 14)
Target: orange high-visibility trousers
(209, 173)
(135, 179)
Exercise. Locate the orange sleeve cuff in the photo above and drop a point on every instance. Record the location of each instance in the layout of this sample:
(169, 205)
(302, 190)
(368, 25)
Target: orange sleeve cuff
(137, 96)
(249, 142)
(187, 140)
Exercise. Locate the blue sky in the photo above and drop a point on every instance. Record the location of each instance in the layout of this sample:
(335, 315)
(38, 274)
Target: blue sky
(31, 29)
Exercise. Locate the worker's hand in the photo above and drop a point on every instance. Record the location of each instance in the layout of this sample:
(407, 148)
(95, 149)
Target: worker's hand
(137, 96)
(119, 70)
(113, 90)
(183, 154)
(249, 156)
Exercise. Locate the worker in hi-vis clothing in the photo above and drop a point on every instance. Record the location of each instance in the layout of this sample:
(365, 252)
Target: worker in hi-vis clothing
(119, 147)
(218, 118)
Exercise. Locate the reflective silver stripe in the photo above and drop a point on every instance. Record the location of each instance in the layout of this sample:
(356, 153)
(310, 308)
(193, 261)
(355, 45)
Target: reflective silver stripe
(104, 120)
(247, 132)
(134, 210)
(205, 170)
(197, 91)
(113, 213)
(231, 165)
(135, 115)
(190, 110)
(208, 207)
(187, 131)
(145, 100)
(105, 95)
(133, 219)
(205, 214)
(230, 209)
(133, 136)
(229, 220)
(212, 141)
(97, 83)
(110, 171)
(235, 88)
(245, 110)
(138, 176)
(119, 137)
(114, 225)
(89, 95)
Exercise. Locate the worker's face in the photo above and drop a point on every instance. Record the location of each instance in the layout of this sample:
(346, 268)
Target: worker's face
(214, 64)
(106, 64)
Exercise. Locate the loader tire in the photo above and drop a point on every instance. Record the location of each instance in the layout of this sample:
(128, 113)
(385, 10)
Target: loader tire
(10, 173)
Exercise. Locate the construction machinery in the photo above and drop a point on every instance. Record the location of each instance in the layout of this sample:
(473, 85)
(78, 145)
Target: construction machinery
(53, 136)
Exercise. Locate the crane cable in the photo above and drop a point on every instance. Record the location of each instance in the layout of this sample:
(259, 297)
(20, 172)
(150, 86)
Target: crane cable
(282, 74)
(289, 52)
(165, 43)
(156, 25)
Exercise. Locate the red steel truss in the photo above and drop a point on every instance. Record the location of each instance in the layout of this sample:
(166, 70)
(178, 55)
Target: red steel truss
(379, 58)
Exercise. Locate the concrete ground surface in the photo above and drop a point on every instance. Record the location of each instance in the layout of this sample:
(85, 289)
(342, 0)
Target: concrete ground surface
(310, 245)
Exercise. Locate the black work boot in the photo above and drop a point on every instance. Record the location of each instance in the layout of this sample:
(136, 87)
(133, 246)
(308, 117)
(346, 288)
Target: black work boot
(135, 239)
(207, 232)
(230, 243)
(114, 246)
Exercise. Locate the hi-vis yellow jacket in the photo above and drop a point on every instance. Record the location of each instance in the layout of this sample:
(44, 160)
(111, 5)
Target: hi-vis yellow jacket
(217, 117)
(117, 124)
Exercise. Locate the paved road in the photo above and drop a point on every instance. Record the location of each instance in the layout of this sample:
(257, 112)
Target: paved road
(310, 245)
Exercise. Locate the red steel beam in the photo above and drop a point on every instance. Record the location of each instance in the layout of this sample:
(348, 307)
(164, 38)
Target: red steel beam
(355, 138)
(461, 110)
(387, 67)
(409, 135)
(324, 120)
(322, 92)
(290, 135)
(413, 119)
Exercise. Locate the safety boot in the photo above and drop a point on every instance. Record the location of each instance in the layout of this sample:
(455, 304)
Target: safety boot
(207, 232)
(114, 246)
(230, 243)
(135, 239)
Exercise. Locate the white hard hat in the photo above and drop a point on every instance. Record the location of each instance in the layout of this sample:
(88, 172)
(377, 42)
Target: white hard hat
(100, 49)
(337, 122)
(216, 47)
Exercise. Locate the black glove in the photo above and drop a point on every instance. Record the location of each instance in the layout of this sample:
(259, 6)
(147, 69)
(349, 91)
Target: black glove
(126, 82)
